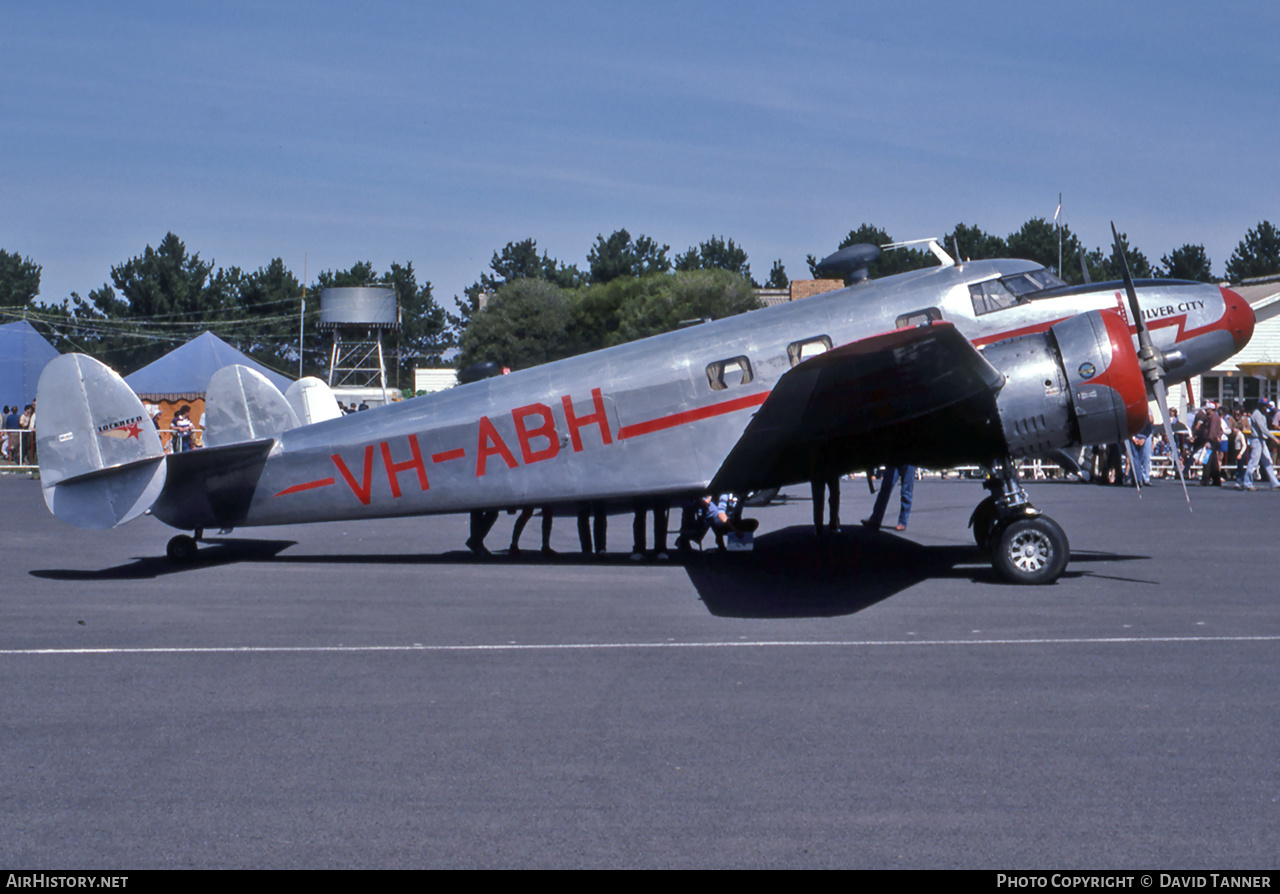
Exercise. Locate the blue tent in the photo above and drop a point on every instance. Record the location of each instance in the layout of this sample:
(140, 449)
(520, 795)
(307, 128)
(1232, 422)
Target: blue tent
(184, 373)
(23, 356)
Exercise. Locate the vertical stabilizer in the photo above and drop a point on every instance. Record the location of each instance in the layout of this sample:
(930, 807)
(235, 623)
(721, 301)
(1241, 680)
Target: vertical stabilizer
(101, 462)
(242, 405)
(312, 400)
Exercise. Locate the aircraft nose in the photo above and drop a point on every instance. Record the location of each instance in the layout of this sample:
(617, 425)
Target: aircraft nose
(1237, 318)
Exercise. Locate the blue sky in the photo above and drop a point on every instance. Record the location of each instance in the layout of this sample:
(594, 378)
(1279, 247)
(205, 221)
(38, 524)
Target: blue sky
(436, 133)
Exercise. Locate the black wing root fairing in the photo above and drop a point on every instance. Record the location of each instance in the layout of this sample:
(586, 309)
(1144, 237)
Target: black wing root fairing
(927, 397)
(212, 487)
(923, 395)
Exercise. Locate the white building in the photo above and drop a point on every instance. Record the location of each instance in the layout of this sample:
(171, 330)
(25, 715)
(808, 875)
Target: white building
(427, 380)
(1255, 372)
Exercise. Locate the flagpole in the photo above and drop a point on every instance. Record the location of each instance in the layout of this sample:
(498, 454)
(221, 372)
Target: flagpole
(1058, 226)
(302, 312)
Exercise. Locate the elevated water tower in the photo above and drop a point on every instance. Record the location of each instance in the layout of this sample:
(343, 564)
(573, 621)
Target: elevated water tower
(357, 317)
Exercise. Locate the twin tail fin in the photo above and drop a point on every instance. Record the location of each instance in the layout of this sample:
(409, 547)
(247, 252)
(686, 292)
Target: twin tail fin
(101, 461)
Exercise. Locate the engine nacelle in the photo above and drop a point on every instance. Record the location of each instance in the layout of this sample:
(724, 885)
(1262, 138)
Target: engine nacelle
(1078, 383)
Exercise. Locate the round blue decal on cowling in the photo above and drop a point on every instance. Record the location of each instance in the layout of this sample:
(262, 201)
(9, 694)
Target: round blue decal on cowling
(1087, 370)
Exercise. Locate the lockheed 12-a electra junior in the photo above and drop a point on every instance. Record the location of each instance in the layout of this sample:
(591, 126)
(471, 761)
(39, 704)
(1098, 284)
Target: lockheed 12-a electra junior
(981, 362)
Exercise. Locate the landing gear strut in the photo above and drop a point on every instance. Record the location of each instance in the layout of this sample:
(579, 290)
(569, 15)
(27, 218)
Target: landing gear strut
(1026, 547)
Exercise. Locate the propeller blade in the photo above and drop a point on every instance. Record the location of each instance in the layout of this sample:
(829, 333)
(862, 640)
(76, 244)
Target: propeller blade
(1151, 361)
(1133, 466)
(1162, 398)
(1144, 334)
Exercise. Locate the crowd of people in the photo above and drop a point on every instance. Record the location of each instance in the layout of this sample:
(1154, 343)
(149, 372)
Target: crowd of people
(717, 514)
(18, 434)
(1227, 444)
(721, 515)
(1232, 443)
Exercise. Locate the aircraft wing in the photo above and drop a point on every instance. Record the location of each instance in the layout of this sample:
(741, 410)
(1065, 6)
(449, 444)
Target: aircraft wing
(923, 396)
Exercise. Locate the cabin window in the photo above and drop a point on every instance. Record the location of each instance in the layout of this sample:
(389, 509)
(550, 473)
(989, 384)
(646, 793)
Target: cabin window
(918, 318)
(991, 296)
(800, 351)
(729, 373)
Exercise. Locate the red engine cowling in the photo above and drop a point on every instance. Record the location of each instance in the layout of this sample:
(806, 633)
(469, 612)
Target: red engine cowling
(1078, 383)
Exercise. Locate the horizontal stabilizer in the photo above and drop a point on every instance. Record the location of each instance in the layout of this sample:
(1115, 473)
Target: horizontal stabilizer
(242, 405)
(108, 498)
(101, 463)
(312, 400)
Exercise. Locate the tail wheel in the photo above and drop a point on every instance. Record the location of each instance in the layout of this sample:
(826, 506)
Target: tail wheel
(1030, 551)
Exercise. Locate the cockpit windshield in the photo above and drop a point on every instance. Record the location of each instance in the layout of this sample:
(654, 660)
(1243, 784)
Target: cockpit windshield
(1011, 290)
(1035, 281)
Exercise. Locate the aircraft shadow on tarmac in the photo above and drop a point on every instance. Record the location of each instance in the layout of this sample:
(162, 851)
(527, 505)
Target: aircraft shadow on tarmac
(219, 551)
(790, 574)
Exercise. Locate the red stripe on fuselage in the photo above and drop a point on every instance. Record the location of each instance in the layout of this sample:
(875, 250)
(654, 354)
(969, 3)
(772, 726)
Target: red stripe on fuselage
(1180, 321)
(310, 485)
(695, 415)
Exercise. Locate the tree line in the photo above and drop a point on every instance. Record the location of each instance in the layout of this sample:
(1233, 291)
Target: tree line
(527, 308)
(1258, 254)
(167, 295)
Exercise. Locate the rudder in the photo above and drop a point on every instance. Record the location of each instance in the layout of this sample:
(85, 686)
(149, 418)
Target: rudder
(242, 405)
(101, 462)
(312, 400)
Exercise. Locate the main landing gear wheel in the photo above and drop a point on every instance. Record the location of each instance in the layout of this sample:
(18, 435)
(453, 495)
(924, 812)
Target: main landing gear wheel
(1030, 550)
(181, 550)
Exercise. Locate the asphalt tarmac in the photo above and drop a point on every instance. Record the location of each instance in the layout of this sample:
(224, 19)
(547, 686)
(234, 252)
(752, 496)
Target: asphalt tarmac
(368, 695)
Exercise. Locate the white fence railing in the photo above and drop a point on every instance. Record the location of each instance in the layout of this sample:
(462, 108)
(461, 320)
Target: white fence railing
(17, 450)
(18, 447)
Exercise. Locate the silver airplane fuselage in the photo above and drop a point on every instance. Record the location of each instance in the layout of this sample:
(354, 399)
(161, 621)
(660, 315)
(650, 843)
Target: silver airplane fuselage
(653, 417)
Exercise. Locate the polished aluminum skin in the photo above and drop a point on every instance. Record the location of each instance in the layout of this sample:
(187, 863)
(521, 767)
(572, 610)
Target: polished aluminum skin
(101, 463)
(659, 417)
(312, 401)
(242, 405)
